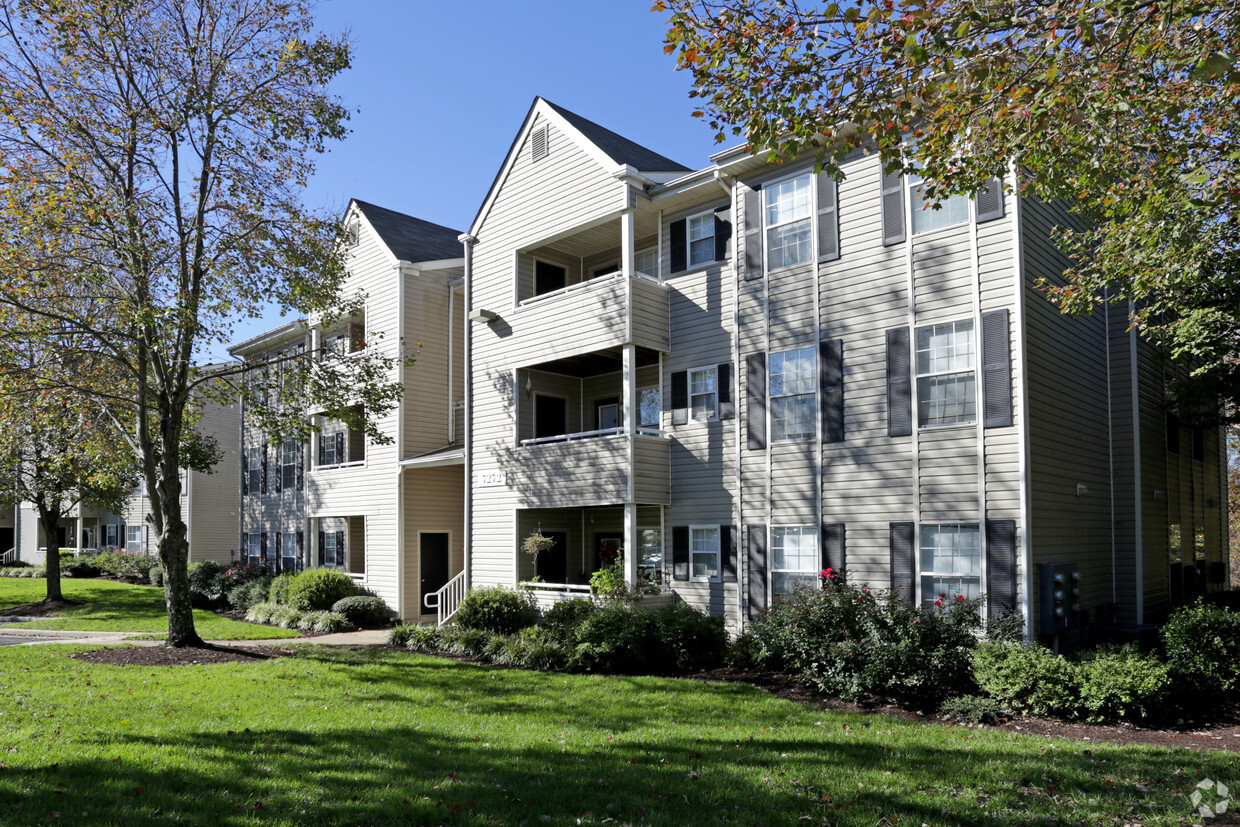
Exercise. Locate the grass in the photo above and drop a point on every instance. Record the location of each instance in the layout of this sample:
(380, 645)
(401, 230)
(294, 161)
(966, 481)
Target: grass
(336, 736)
(122, 607)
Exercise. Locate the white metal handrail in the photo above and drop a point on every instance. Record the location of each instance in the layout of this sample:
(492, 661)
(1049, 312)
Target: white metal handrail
(447, 600)
(602, 432)
(582, 285)
(9, 556)
(555, 587)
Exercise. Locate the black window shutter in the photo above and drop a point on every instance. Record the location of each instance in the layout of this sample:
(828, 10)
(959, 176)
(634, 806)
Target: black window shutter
(755, 405)
(723, 232)
(902, 560)
(753, 233)
(263, 475)
(322, 448)
(245, 546)
(322, 548)
(301, 465)
(996, 370)
(301, 549)
(893, 207)
(680, 397)
(680, 552)
(279, 552)
(278, 478)
(990, 201)
(899, 383)
(262, 547)
(833, 548)
(831, 388)
(245, 471)
(680, 245)
(727, 544)
(828, 218)
(1000, 567)
(341, 552)
(757, 570)
(723, 383)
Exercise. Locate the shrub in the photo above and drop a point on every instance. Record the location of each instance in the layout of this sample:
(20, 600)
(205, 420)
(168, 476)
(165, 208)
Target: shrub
(284, 616)
(974, 709)
(1028, 678)
(687, 639)
(260, 612)
(562, 619)
(206, 583)
(15, 564)
(156, 576)
(853, 643)
(363, 610)
(31, 571)
(123, 565)
(609, 581)
(240, 575)
(616, 638)
(401, 633)
(745, 652)
(423, 639)
(495, 609)
(79, 566)
(1008, 627)
(461, 640)
(244, 596)
(1203, 649)
(319, 589)
(278, 592)
(1121, 683)
(545, 656)
(323, 622)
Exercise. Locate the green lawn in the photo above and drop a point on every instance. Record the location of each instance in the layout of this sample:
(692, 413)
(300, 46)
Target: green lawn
(334, 736)
(122, 607)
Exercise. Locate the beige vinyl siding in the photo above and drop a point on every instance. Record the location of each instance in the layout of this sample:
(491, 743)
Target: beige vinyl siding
(427, 400)
(213, 499)
(566, 474)
(434, 502)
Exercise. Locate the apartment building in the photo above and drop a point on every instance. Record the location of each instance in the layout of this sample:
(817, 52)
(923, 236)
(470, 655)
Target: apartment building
(739, 375)
(391, 515)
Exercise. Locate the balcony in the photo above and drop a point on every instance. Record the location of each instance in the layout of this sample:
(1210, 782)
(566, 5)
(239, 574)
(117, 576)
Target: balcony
(594, 315)
(592, 468)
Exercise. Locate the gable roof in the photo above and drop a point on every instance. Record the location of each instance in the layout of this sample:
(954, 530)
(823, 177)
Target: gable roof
(617, 147)
(411, 239)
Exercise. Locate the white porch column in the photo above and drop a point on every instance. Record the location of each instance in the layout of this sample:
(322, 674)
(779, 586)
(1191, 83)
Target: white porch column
(629, 406)
(630, 543)
(77, 533)
(627, 252)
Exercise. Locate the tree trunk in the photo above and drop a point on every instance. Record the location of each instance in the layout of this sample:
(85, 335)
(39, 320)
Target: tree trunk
(174, 555)
(50, 521)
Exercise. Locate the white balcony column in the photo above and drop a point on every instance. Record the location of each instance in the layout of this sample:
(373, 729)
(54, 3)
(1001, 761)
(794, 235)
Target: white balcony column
(77, 533)
(627, 250)
(630, 543)
(630, 409)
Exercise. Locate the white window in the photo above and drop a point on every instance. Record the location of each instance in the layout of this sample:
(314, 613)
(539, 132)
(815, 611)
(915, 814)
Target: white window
(703, 395)
(133, 539)
(650, 556)
(288, 464)
(288, 551)
(254, 469)
(701, 239)
(793, 374)
(951, 562)
(647, 261)
(649, 405)
(951, 211)
(946, 386)
(112, 535)
(704, 552)
(795, 558)
(328, 443)
(789, 209)
(254, 552)
(333, 555)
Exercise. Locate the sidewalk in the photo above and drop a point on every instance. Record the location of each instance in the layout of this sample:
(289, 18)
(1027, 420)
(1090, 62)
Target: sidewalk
(14, 635)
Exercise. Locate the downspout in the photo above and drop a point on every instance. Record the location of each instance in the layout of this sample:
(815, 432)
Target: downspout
(1137, 545)
(240, 488)
(469, 241)
(400, 444)
(1026, 544)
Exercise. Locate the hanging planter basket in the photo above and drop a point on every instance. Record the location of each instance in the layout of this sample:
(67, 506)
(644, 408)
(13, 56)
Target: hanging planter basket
(536, 544)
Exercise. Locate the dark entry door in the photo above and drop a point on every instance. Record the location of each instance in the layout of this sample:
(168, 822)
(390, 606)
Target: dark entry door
(608, 549)
(552, 564)
(433, 563)
(6, 539)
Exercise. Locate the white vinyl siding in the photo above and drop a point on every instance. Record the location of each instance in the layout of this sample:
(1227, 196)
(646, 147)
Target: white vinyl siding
(792, 375)
(788, 214)
(794, 558)
(951, 563)
(946, 380)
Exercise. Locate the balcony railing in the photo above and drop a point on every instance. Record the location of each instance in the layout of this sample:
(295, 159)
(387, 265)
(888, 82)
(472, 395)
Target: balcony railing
(588, 284)
(602, 432)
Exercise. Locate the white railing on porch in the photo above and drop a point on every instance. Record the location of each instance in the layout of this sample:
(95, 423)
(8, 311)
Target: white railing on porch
(447, 600)
(599, 434)
(573, 588)
(9, 556)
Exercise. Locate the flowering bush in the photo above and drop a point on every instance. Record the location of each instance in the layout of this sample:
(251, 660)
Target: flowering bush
(852, 642)
(124, 565)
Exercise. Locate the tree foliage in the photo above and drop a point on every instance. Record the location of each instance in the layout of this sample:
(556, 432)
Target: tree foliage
(152, 157)
(1127, 110)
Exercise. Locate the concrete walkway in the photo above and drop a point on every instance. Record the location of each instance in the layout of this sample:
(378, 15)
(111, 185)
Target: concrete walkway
(13, 635)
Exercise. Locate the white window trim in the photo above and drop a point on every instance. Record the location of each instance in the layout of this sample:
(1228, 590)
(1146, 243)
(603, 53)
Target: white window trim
(815, 533)
(919, 599)
(714, 412)
(917, 377)
(254, 543)
(911, 182)
(770, 397)
(288, 548)
(689, 262)
(718, 554)
(284, 485)
(654, 248)
(813, 211)
(254, 464)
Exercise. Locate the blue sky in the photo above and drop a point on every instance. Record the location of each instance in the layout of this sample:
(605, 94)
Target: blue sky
(439, 90)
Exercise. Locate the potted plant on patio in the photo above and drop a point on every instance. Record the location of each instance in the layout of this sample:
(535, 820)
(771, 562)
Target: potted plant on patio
(536, 544)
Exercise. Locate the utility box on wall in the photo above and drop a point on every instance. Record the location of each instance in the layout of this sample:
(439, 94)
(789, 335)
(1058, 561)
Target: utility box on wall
(1059, 590)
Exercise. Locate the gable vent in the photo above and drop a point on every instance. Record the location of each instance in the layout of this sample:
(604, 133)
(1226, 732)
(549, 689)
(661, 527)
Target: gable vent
(539, 145)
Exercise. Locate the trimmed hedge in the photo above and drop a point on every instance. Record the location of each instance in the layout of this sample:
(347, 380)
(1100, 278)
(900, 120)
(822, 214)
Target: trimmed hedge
(1203, 650)
(495, 609)
(319, 589)
(363, 610)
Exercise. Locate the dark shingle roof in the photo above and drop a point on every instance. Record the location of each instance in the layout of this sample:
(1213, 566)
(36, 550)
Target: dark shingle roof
(617, 147)
(409, 238)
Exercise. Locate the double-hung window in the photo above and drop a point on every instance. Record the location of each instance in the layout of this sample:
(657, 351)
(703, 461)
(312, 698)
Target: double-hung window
(792, 380)
(926, 217)
(328, 455)
(701, 239)
(254, 552)
(647, 261)
(333, 555)
(288, 551)
(133, 539)
(703, 392)
(788, 217)
(794, 561)
(951, 562)
(704, 552)
(288, 464)
(254, 469)
(946, 380)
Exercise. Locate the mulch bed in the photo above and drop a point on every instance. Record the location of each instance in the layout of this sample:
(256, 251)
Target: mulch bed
(44, 608)
(185, 656)
(1224, 735)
